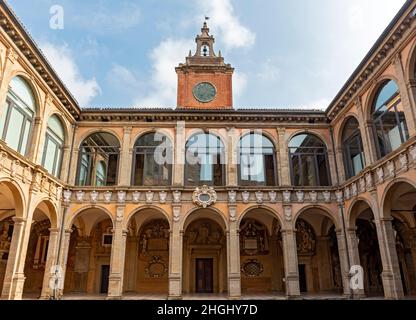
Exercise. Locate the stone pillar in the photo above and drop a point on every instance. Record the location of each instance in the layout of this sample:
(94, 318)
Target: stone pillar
(125, 161)
(233, 250)
(131, 263)
(340, 162)
(232, 157)
(366, 130)
(175, 255)
(33, 142)
(343, 262)
(50, 263)
(284, 176)
(290, 255)
(13, 279)
(409, 112)
(63, 260)
(392, 284)
(179, 156)
(66, 155)
(118, 254)
(324, 268)
(354, 255)
(74, 163)
(332, 168)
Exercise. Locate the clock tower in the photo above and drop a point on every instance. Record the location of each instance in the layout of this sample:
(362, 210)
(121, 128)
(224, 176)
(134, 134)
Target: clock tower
(204, 80)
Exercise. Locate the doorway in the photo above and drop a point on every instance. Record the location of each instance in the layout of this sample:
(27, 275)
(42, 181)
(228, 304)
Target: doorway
(204, 275)
(105, 273)
(302, 278)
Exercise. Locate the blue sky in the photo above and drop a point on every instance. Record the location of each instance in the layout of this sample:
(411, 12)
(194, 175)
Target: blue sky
(287, 54)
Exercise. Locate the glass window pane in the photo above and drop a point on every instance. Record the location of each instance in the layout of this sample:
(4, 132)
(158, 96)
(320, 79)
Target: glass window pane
(3, 118)
(51, 151)
(15, 129)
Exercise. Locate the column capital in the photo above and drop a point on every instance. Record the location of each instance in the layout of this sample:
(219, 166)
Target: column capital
(19, 220)
(54, 230)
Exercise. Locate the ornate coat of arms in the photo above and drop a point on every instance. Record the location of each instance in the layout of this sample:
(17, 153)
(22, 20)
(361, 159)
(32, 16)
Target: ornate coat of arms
(204, 197)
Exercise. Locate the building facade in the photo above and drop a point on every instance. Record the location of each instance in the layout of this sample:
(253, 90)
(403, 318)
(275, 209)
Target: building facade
(206, 198)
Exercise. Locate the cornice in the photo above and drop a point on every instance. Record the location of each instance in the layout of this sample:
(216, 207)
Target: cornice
(20, 37)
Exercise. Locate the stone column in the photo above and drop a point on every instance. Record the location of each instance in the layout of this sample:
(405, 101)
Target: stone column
(63, 260)
(131, 262)
(343, 262)
(50, 262)
(409, 112)
(14, 281)
(332, 168)
(233, 253)
(66, 155)
(179, 156)
(354, 255)
(366, 130)
(392, 284)
(285, 179)
(175, 255)
(34, 139)
(290, 255)
(125, 161)
(118, 254)
(340, 162)
(74, 162)
(232, 157)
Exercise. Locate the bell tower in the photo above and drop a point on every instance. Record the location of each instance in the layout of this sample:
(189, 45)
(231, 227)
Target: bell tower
(204, 80)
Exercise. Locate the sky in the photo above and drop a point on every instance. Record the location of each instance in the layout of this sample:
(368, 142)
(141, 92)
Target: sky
(286, 54)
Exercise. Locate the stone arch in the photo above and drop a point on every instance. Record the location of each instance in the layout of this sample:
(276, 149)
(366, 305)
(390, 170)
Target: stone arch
(267, 210)
(52, 212)
(18, 196)
(215, 133)
(164, 131)
(81, 211)
(145, 208)
(410, 66)
(341, 129)
(32, 85)
(373, 91)
(323, 211)
(388, 189)
(313, 132)
(264, 133)
(90, 132)
(64, 122)
(220, 217)
(351, 215)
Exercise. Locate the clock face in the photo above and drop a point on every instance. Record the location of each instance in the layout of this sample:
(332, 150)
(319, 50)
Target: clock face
(204, 92)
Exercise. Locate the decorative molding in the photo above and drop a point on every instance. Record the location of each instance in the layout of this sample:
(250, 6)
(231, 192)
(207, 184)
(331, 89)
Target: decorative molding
(204, 197)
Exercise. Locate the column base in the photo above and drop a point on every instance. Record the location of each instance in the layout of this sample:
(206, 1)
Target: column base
(234, 297)
(114, 298)
(174, 297)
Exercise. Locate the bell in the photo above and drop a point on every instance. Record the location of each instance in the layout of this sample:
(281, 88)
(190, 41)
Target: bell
(205, 51)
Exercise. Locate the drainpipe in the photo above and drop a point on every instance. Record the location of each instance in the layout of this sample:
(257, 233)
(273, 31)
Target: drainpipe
(341, 207)
(61, 233)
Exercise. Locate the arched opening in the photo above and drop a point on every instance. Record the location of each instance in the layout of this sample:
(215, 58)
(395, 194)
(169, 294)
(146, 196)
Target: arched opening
(352, 148)
(400, 204)
(11, 208)
(261, 254)
(368, 248)
(38, 250)
(204, 254)
(88, 263)
(147, 254)
(17, 118)
(152, 162)
(389, 122)
(98, 160)
(205, 161)
(318, 257)
(257, 165)
(54, 144)
(308, 161)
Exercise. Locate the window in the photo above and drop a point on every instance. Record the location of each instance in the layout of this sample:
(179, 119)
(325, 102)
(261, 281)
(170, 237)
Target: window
(257, 161)
(54, 143)
(98, 160)
(17, 116)
(152, 162)
(389, 123)
(204, 160)
(309, 161)
(352, 148)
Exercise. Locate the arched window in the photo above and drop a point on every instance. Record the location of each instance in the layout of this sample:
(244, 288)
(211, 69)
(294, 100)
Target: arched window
(257, 165)
(98, 160)
(54, 143)
(17, 115)
(389, 123)
(152, 162)
(352, 148)
(204, 162)
(309, 161)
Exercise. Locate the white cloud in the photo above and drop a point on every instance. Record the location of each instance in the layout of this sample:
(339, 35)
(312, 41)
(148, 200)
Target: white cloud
(104, 20)
(240, 81)
(163, 81)
(62, 60)
(124, 80)
(268, 71)
(224, 21)
(320, 104)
